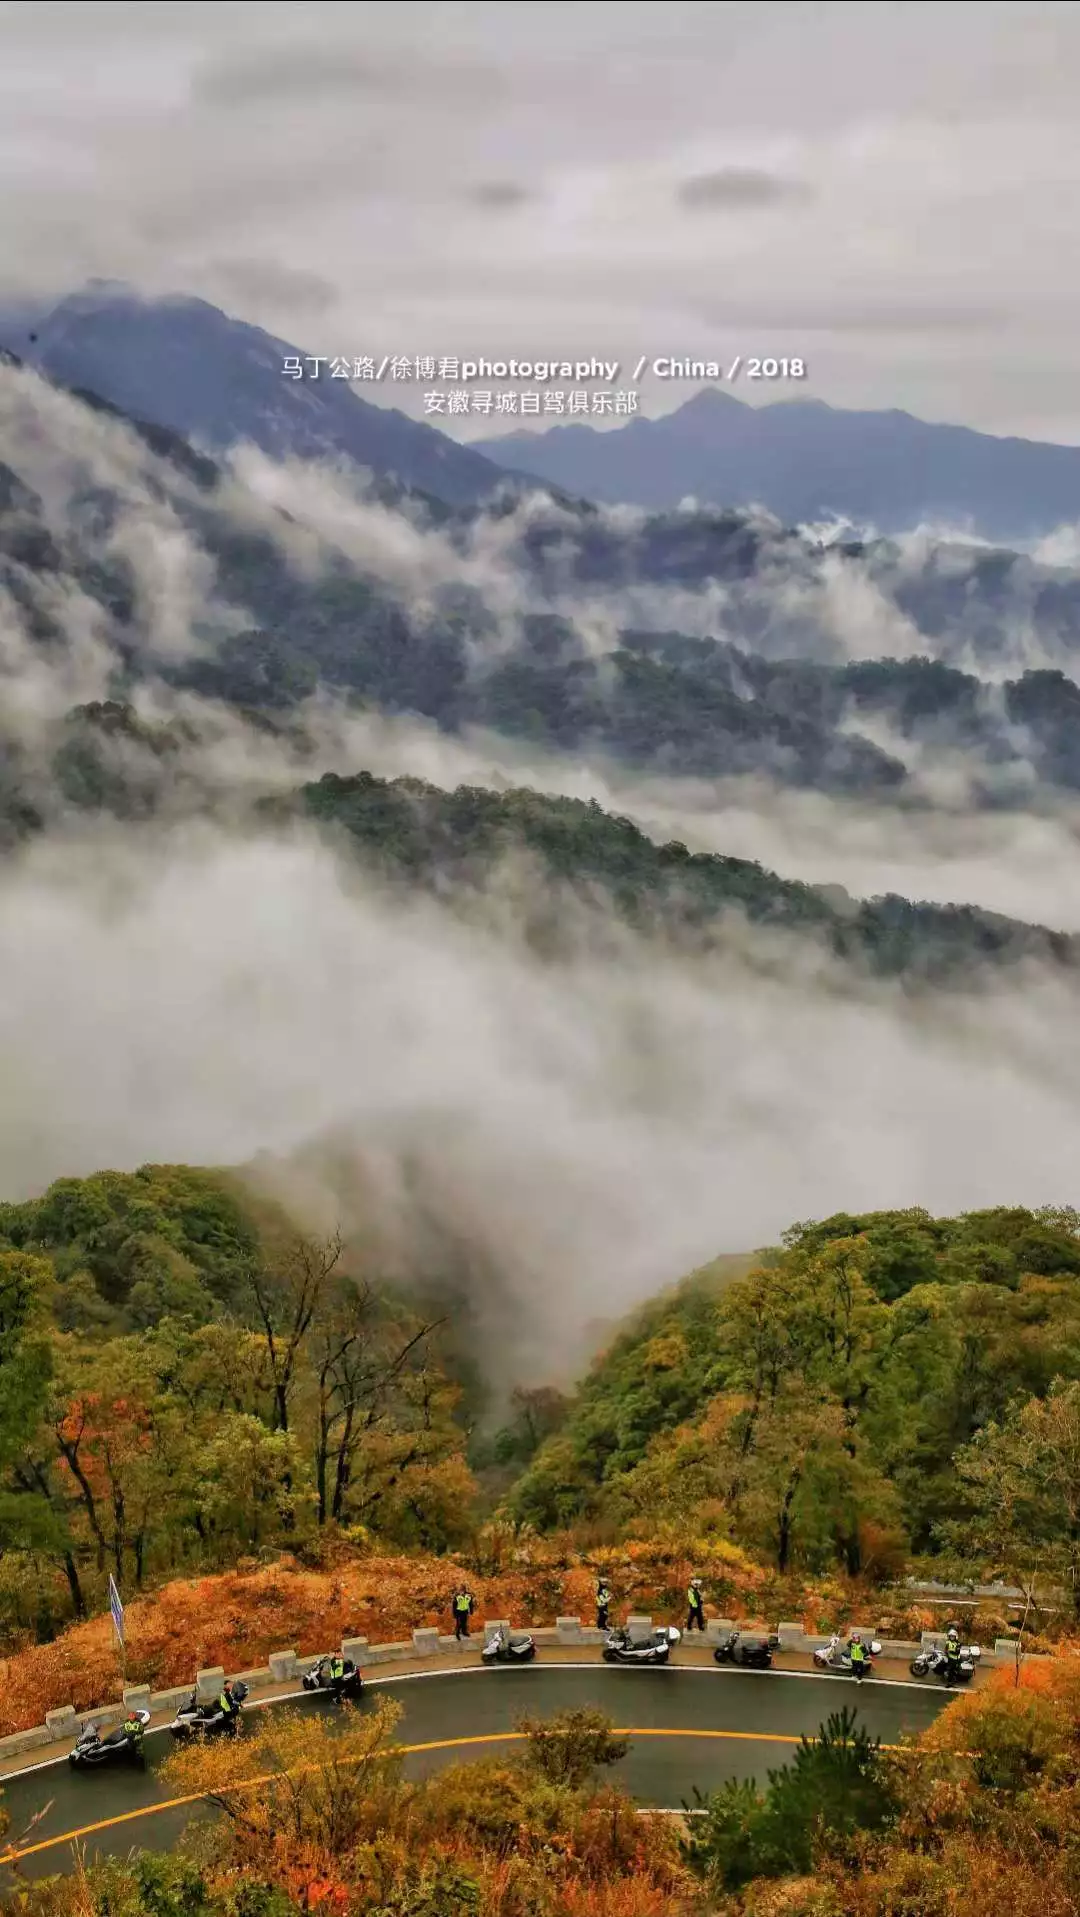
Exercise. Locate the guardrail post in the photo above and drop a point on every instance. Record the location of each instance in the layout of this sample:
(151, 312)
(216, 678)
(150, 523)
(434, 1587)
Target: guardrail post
(63, 1722)
(208, 1683)
(568, 1630)
(282, 1666)
(136, 1697)
(354, 1647)
(426, 1641)
(493, 1624)
(638, 1625)
(791, 1636)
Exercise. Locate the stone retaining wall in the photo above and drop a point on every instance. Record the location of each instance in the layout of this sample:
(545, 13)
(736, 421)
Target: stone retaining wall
(286, 1666)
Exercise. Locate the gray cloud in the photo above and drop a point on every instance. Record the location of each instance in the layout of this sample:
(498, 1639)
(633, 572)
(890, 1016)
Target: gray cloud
(587, 1131)
(500, 194)
(739, 188)
(944, 169)
(295, 74)
(271, 281)
(835, 317)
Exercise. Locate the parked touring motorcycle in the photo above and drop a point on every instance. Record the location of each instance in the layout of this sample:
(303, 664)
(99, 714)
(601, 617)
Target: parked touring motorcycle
(208, 1720)
(348, 1685)
(124, 1745)
(836, 1656)
(621, 1648)
(503, 1647)
(753, 1650)
(933, 1663)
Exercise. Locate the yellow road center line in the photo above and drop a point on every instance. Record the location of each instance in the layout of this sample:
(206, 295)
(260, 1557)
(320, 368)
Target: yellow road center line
(13, 1856)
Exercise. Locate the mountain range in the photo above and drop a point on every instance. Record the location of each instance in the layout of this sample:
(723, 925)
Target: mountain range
(702, 644)
(182, 363)
(808, 462)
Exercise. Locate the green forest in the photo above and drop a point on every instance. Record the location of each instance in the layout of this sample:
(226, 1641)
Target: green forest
(184, 1380)
(879, 1387)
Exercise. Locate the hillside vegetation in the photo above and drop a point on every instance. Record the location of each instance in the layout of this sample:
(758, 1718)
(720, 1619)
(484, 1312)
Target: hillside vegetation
(185, 1382)
(880, 1386)
(418, 832)
(108, 763)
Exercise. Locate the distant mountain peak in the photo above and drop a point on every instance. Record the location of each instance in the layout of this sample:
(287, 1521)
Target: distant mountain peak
(178, 362)
(709, 400)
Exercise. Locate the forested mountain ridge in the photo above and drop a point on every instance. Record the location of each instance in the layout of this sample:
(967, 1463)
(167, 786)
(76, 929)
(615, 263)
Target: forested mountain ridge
(760, 677)
(878, 1385)
(459, 843)
(414, 830)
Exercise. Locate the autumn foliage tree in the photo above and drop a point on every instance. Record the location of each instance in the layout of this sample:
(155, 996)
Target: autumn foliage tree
(319, 1808)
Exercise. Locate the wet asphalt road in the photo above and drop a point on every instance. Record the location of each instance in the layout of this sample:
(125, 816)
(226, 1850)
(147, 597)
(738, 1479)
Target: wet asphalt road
(761, 1717)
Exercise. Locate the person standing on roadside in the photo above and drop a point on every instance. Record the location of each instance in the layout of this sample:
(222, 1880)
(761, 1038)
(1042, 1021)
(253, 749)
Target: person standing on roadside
(695, 1606)
(463, 1608)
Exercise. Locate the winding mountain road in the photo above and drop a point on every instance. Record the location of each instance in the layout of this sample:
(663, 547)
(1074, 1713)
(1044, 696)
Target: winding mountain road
(687, 1726)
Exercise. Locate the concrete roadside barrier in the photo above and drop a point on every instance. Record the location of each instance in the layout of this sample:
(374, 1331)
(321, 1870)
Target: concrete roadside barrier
(286, 1666)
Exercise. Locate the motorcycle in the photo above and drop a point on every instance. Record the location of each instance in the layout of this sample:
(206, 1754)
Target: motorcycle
(755, 1652)
(621, 1648)
(836, 1656)
(122, 1746)
(208, 1720)
(503, 1648)
(348, 1685)
(933, 1663)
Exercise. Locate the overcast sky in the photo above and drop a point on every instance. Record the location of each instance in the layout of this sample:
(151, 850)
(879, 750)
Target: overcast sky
(891, 191)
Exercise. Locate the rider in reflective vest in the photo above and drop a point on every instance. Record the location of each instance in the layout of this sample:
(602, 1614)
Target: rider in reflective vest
(463, 1610)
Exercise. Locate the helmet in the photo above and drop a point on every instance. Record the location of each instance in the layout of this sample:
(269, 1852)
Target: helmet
(696, 1582)
(953, 1634)
(856, 1637)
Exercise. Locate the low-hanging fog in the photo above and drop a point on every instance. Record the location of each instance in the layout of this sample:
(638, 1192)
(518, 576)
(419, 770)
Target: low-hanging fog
(585, 1131)
(1023, 864)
